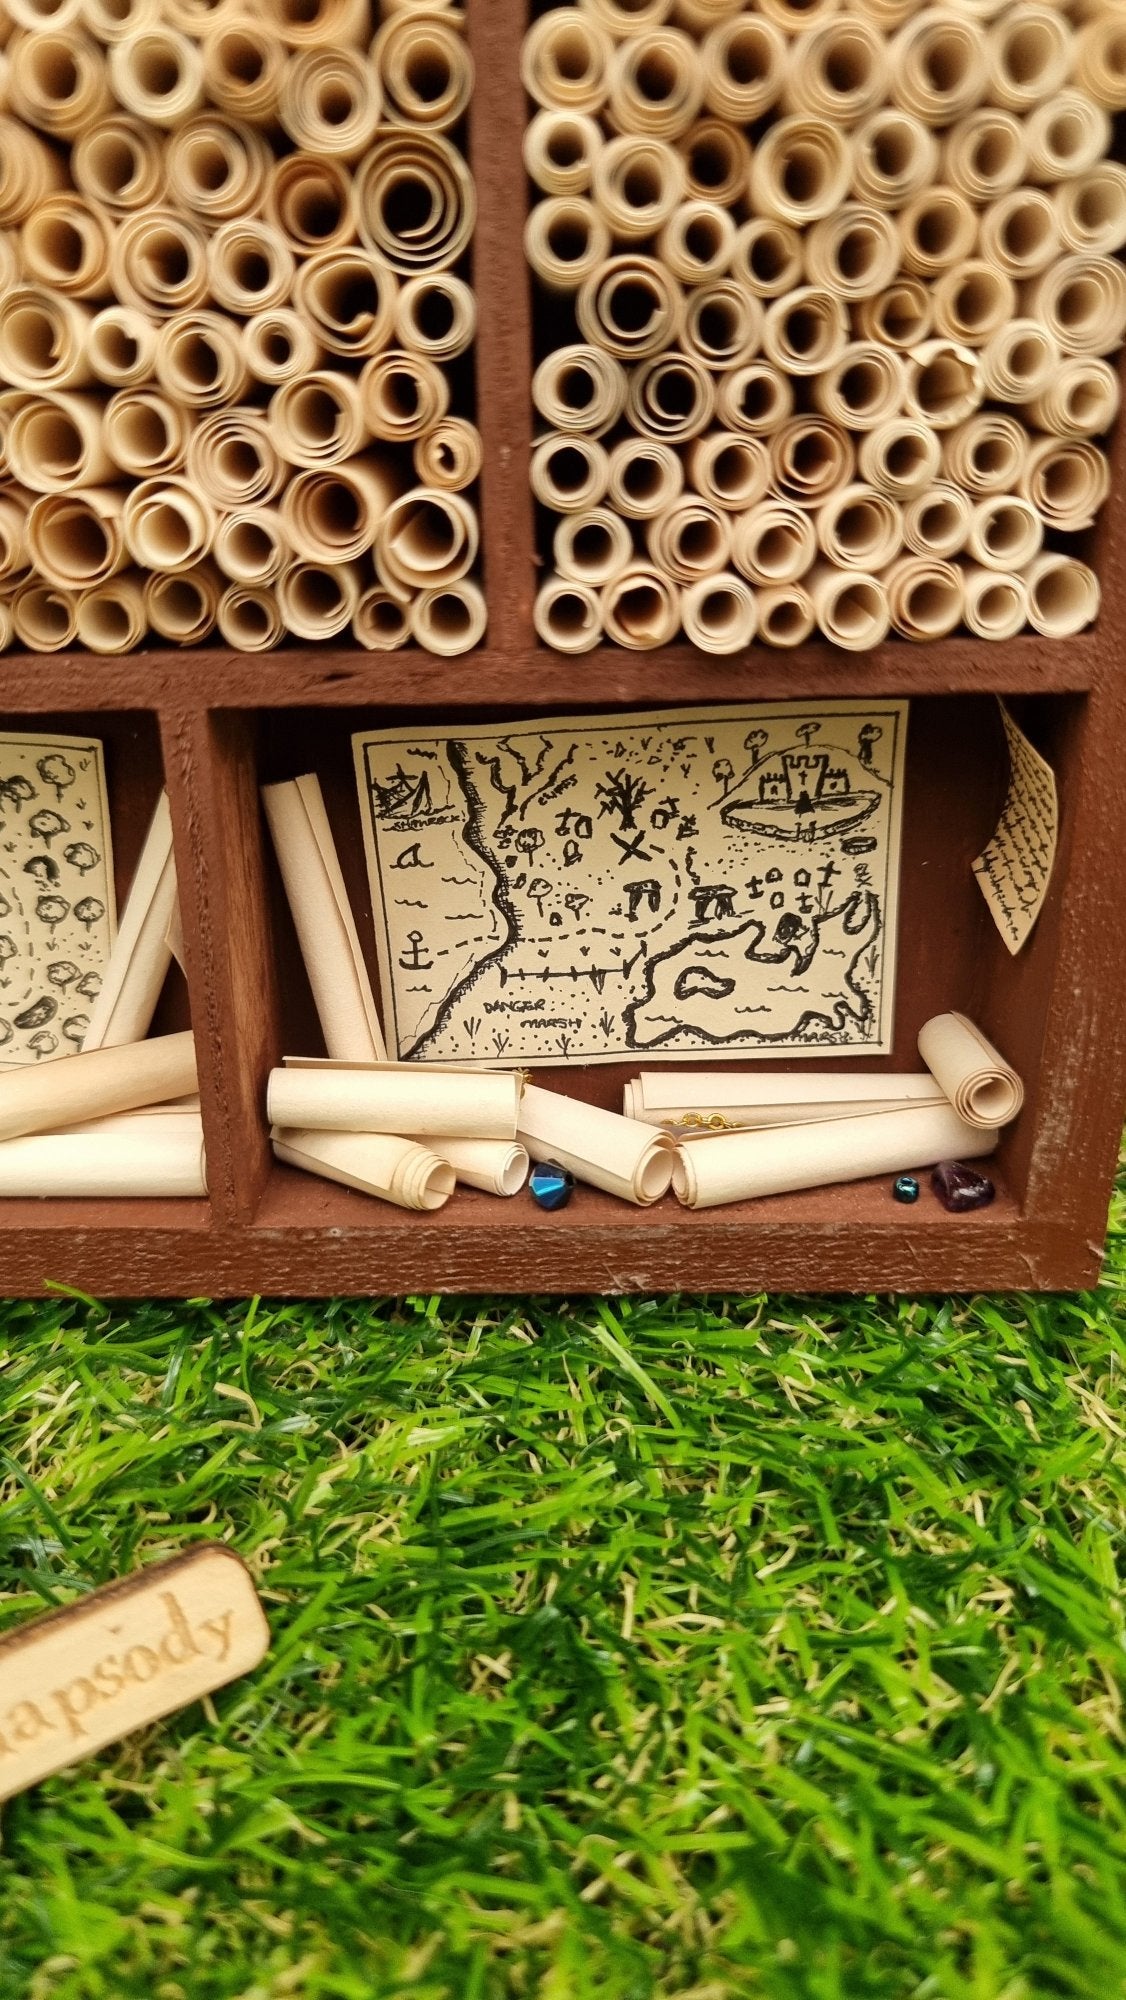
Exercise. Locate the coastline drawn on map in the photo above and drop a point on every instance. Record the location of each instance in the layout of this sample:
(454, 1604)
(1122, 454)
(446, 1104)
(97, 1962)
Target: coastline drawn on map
(691, 883)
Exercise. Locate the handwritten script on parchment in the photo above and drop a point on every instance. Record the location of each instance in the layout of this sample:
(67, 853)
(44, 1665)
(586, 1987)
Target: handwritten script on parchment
(588, 888)
(1014, 871)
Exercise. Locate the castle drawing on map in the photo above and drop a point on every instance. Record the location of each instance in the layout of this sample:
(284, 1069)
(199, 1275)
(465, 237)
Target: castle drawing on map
(692, 883)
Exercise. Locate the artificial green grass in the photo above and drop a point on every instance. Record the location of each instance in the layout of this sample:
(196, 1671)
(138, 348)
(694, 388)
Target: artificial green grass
(683, 1649)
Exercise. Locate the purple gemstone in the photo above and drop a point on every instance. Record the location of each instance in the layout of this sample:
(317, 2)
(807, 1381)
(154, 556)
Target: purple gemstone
(960, 1188)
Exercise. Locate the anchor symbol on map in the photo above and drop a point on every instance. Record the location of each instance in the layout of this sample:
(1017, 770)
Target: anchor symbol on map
(413, 960)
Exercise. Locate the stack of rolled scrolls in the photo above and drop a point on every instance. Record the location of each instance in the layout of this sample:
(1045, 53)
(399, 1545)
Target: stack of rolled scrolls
(233, 313)
(827, 294)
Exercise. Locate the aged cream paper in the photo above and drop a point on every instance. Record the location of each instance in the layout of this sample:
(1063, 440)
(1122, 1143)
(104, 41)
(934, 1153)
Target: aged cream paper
(1015, 870)
(696, 882)
(57, 907)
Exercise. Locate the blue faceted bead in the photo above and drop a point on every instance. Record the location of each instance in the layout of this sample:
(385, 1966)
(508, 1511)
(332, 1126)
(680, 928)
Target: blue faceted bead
(552, 1185)
(906, 1189)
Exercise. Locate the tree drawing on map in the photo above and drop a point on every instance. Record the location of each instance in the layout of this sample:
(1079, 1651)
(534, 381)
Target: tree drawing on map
(693, 883)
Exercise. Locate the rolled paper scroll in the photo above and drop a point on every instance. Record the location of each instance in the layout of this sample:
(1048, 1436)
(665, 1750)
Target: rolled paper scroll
(628, 17)
(318, 419)
(1065, 136)
(811, 458)
(243, 68)
(1081, 399)
(982, 1087)
(854, 253)
(986, 454)
(719, 613)
(65, 246)
(774, 543)
(638, 183)
(938, 66)
(698, 1104)
(894, 157)
(1100, 60)
(125, 1158)
(785, 615)
(304, 24)
(450, 620)
(985, 155)
(1020, 233)
(973, 303)
(399, 1098)
(330, 102)
(925, 597)
(199, 361)
(1019, 361)
(568, 616)
(944, 383)
(901, 317)
(311, 203)
(565, 241)
(436, 315)
(671, 397)
(119, 164)
(233, 458)
(379, 622)
(43, 617)
(723, 324)
(145, 433)
(121, 346)
(619, 1155)
(858, 527)
(157, 75)
(560, 148)
(641, 609)
(75, 539)
(348, 298)
(111, 20)
(392, 1169)
(29, 170)
(851, 606)
(656, 83)
(1081, 302)
(322, 916)
(42, 340)
(1005, 532)
(697, 243)
(193, 17)
(250, 618)
(14, 551)
(692, 540)
(807, 330)
(42, 14)
(252, 546)
(96, 1085)
(1029, 53)
(592, 547)
(632, 307)
(755, 399)
(730, 471)
(426, 538)
(801, 170)
(216, 168)
(717, 159)
(1063, 596)
(575, 389)
(742, 1166)
(1067, 480)
(55, 442)
(839, 70)
(109, 617)
(745, 62)
(160, 262)
(415, 175)
(565, 61)
(332, 516)
(937, 231)
(57, 82)
(996, 602)
(936, 522)
(569, 474)
(404, 395)
(141, 955)
(183, 608)
(863, 388)
(449, 456)
(1090, 209)
(168, 525)
(492, 1165)
(426, 68)
(278, 347)
(250, 266)
(645, 478)
(318, 600)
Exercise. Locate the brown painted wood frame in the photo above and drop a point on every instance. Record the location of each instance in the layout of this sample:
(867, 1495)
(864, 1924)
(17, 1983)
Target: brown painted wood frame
(220, 723)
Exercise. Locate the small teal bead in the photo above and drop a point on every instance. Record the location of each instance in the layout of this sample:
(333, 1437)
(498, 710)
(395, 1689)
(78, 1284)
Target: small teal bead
(906, 1189)
(552, 1185)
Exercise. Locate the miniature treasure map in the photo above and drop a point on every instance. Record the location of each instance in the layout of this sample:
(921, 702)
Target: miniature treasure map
(701, 882)
(57, 910)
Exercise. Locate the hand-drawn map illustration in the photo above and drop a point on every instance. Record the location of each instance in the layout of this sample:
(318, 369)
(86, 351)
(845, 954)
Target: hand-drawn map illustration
(1014, 871)
(57, 908)
(696, 882)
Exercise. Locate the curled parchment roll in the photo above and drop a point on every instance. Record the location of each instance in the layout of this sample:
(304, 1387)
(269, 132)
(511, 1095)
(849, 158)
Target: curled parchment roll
(859, 527)
(426, 538)
(719, 613)
(862, 388)
(57, 82)
(310, 203)
(322, 916)
(75, 539)
(1005, 532)
(985, 155)
(492, 1165)
(901, 317)
(216, 168)
(632, 307)
(392, 1169)
(160, 262)
(249, 618)
(14, 552)
(35, 14)
(851, 606)
(805, 331)
(1066, 480)
(250, 266)
(983, 1089)
(332, 515)
(925, 597)
(745, 61)
(794, 16)
(109, 617)
(1081, 302)
(973, 303)
(1080, 400)
(717, 160)
(944, 383)
(233, 459)
(65, 246)
(119, 165)
(560, 148)
(565, 241)
(785, 614)
(1019, 361)
(723, 324)
(691, 540)
(575, 389)
(184, 608)
(656, 83)
(304, 24)
(449, 455)
(403, 395)
(1090, 209)
(565, 61)
(348, 298)
(396, 1098)
(244, 66)
(700, 1104)
(199, 362)
(937, 231)
(157, 75)
(278, 347)
(569, 474)
(894, 156)
(450, 620)
(415, 200)
(627, 17)
(839, 70)
(755, 399)
(317, 600)
(986, 454)
(251, 545)
(996, 602)
(54, 443)
(318, 419)
(1029, 53)
(671, 397)
(697, 242)
(730, 471)
(1100, 60)
(140, 958)
(168, 524)
(637, 185)
(96, 1085)
(145, 432)
(568, 615)
(811, 457)
(645, 478)
(619, 1155)
(124, 1158)
(641, 609)
(1065, 136)
(938, 66)
(1063, 596)
(42, 340)
(436, 315)
(592, 547)
(743, 1166)
(1020, 233)
(426, 68)
(43, 616)
(121, 346)
(800, 170)
(379, 622)
(854, 253)
(111, 21)
(774, 543)
(330, 102)
(29, 171)
(936, 522)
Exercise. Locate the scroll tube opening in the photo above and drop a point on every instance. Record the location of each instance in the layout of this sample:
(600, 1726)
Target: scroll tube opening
(901, 457)
(560, 148)
(645, 478)
(851, 607)
(719, 614)
(250, 619)
(641, 609)
(996, 603)
(1063, 596)
(568, 615)
(183, 608)
(592, 547)
(451, 620)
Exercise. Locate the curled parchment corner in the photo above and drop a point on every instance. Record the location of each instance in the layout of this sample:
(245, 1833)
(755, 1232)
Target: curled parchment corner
(1014, 870)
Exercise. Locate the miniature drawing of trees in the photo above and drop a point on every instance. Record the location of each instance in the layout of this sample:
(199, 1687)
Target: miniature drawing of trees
(755, 742)
(62, 974)
(51, 910)
(15, 790)
(82, 856)
(622, 793)
(42, 869)
(575, 901)
(89, 912)
(56, 772)
(46, 825)
(74, 1028)
(90, 985)
(537, 890)
(44, 1043)
(529, 840)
